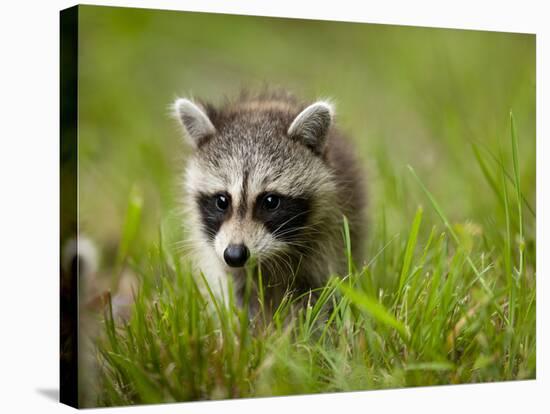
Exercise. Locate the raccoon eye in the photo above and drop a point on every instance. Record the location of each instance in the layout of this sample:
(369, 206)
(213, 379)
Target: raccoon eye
(271, 202)
(222, 202)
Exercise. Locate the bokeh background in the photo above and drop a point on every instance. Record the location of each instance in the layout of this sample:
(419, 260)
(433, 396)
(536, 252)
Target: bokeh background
(405, 95)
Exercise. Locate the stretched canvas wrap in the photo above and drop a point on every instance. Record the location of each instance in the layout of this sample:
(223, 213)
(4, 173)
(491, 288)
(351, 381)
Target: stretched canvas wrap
(255, 207)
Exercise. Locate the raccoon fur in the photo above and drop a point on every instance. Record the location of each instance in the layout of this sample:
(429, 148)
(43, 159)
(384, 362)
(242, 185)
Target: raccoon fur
(269, 182)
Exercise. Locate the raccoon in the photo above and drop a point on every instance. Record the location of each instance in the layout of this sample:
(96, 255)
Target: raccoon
(268, 183)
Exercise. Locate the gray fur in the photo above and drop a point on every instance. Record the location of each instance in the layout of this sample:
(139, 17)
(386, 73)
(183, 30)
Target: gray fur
(273, 143)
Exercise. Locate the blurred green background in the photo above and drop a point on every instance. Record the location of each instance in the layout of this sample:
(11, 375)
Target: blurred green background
(405, 95)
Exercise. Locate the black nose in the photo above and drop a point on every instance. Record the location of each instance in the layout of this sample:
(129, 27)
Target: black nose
(236, 255)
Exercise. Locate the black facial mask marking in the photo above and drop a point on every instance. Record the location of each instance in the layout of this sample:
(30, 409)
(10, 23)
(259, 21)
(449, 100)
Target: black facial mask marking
(211, 215)
(285, 221)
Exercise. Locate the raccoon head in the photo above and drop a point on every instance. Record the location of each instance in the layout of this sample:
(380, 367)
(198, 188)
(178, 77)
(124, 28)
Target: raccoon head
(257, 182)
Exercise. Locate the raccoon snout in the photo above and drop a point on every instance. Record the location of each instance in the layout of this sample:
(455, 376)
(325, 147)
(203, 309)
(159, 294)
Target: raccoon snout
(236, 255)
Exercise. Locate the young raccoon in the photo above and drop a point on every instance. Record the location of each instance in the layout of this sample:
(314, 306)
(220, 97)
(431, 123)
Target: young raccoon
(271, 179)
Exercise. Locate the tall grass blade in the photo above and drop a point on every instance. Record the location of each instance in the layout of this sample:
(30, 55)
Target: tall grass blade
(409, 250)
(517, 184)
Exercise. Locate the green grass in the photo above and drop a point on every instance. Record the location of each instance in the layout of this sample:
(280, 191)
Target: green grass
(454, 303)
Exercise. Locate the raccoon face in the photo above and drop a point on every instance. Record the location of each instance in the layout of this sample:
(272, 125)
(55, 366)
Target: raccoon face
(256, 182)
(260, 225)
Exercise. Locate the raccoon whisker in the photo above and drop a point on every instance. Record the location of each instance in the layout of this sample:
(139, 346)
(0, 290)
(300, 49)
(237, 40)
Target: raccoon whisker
(278, 278)
(312, 224)
(289, 220)
(187, 253)
(179, 249)
(187, 238)
(186, 245)
(186, 242)
(273, 271)
(310, 229)
(277, 260)
(287, 261)
(303, 245)
(298, 242)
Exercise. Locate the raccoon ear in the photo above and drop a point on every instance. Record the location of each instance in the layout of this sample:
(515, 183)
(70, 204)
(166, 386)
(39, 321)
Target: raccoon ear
(311, 125)
(194, 120)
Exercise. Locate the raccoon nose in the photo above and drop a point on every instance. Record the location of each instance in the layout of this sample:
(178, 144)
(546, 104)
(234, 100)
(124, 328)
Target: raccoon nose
(236, 255)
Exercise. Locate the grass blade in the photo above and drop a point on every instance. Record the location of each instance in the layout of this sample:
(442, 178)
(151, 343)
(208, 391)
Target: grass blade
(409, 250)
(517, 184)
(375, 309)
(129, 232)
